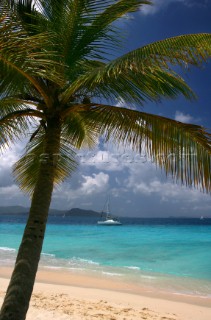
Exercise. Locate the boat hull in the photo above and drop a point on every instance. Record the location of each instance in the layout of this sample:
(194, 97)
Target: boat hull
(109, 223)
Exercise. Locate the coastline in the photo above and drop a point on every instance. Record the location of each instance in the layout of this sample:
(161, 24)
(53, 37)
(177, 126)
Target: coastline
(64, 295)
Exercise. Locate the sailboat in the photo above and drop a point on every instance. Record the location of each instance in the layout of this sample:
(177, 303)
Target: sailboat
(109, 220)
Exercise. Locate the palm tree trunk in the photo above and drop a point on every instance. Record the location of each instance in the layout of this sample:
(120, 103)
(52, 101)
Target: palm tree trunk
(20, 289)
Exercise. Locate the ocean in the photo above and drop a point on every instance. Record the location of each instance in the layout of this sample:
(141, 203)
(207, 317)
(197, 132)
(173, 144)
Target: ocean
(165, 254)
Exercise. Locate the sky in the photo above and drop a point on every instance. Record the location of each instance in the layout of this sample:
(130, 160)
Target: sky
(135, 186)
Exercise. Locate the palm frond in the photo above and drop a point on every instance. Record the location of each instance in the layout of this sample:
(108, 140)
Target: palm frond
(12, 130)
(98, 35)
(26, 169)
(78, 132)
(15, 120)
(83, 28)
(138, 69)
(15, 103)
(180, 50)
(19, 114)
(182, 150)
(81, 32)
(23, 58)
(25, 11)
(132, 87)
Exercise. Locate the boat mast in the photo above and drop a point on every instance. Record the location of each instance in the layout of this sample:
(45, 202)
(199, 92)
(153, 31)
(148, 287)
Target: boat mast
(108, 207)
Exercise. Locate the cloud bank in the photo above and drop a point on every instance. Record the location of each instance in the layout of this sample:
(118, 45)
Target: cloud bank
(162, 4)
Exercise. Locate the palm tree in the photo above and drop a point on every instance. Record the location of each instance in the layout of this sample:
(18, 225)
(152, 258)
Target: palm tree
(56, 74)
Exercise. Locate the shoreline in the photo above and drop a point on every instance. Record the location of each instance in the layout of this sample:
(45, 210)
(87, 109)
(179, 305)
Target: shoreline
(58, 294)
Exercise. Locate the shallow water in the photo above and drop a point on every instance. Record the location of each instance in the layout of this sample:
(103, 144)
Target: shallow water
(167, 254)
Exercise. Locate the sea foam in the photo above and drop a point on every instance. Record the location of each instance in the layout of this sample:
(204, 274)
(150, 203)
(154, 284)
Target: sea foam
(7, 249)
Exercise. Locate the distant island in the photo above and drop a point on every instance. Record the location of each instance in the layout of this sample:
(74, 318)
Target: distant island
(83, 213)
(74, 212)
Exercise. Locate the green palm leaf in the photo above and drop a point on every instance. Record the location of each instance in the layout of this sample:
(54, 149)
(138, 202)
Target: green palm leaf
(80, 32)
(13, 130)
(16, 118)
(54, 60)
(99, 36)
(145, 70)
(82, 28)
(26, 170)
(182, 150)
(23, 59)
(78, 132)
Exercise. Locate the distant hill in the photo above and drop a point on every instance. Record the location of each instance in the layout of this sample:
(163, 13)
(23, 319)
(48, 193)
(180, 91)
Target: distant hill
(81, 213)
(13, 210)
(75, 212)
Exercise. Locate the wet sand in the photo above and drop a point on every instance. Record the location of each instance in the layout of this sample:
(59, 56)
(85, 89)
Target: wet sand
(66, 295)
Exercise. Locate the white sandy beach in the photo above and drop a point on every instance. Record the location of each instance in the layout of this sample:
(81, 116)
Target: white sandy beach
(87, 298)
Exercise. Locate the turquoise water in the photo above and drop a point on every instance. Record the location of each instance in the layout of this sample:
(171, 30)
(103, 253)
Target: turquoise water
(163, 254)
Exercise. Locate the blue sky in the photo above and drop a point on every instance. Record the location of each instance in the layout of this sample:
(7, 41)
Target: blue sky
(136, 187)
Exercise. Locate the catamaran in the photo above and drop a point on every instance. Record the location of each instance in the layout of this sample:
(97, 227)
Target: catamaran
(109, 220)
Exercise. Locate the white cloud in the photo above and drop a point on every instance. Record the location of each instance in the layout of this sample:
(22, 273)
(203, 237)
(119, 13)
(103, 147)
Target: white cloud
(137, 175)
(95, 183)
(7, 160)
(129, 178)
(156, 6)
(11, 155)
(10, 191)
(146, 180)
(113, 157)
(11, 195)
(186, 118)
(161, 4)
(89, 186)
(121, 103)
(106, 160)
